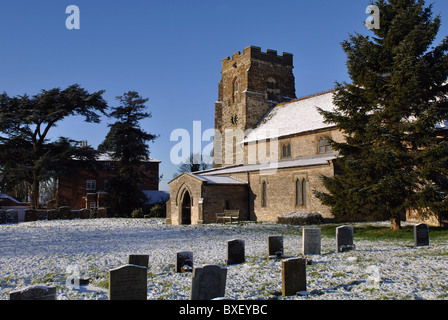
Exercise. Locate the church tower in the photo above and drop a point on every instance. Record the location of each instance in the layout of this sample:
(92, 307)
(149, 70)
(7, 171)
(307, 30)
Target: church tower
(251, 84)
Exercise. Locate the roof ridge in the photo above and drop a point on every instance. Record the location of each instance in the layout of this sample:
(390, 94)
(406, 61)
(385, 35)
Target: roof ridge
(320, 93)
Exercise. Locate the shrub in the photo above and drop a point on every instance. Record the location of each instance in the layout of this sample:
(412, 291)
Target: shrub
(158, 211)
(295, 218)
(137, 213)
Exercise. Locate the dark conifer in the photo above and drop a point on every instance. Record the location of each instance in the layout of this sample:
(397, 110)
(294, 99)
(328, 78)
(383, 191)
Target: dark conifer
(394, 157)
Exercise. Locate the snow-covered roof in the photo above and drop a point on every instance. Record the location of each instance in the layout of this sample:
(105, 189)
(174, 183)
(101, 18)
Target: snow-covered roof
(293, 117)
(219, 180)
(5, 196)
(281, 164)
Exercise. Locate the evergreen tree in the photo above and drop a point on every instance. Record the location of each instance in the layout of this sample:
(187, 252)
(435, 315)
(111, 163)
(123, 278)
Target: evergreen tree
(27, 156)
(393, 157)
(127, 144)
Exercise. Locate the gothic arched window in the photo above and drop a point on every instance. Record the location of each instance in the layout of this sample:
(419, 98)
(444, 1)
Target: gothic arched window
(301, 192)
(264, 193)
(286, 150)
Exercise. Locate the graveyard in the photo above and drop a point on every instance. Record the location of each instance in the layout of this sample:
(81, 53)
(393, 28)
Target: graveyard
(252, 259)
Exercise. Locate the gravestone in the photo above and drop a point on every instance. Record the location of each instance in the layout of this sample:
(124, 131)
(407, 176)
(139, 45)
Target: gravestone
(128, 282)
(184, 261)
(293, 276)
(311, 241)
(101, 213)
(421, 235)
(30, 215)
(139, 260)
(2, 216)
(208, 282)
(12, 216)
(84, 213)
(34, 293)
(64, 213)
(42, 214)
(75, 214)
(344, 239)
(275, 246)
(52, 214)
(235, 252)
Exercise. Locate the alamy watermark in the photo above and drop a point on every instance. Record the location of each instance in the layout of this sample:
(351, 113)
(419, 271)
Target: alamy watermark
(73, 275)
(373, 21)
(73, 21)
(374, 278)
(226, 148)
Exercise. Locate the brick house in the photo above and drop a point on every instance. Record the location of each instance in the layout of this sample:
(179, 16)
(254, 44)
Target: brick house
(87, 188)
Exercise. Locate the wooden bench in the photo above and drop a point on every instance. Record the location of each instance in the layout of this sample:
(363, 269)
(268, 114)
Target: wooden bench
(228, 215)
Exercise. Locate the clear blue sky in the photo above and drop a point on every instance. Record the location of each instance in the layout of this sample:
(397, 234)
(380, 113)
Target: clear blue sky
(170, 52)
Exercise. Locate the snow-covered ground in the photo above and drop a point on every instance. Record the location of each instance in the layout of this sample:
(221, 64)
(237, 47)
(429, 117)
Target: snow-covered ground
(41, 253)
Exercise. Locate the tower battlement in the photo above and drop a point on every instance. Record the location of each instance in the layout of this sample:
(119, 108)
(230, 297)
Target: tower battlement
(253, 52)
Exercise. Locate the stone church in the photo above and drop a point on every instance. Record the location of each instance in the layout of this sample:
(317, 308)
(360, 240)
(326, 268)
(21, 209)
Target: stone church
(270, 147)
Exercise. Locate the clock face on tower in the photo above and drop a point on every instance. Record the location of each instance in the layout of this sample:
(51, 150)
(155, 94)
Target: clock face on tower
(234, 119)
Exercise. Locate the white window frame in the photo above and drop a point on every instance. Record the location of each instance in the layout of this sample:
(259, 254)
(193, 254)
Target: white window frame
(91, 185)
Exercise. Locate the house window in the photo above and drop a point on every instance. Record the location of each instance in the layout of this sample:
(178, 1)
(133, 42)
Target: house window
(286, 151)
(91, 185)
(301, 192)
(324, 145)
(106, 184)
(264, 194)
(236, 90)
(92, 205)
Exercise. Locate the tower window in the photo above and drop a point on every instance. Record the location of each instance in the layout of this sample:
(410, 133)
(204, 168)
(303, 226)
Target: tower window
(236, 90)
(271, 89)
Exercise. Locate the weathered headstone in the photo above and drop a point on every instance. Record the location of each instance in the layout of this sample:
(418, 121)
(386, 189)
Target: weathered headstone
(101, 213)
(30, 215)
(208, 282)
(421, 235)
(344, 238)
(84, 213)
(52, 214)
(128, 282)
(139, 260)
(75, 214)
(184, 261)
(42, 214)
(275, 246)
(293, 276)
(12, 216)
(311, 241)
(2, 216)
(34, 293)
(64, 213)
(235, 252)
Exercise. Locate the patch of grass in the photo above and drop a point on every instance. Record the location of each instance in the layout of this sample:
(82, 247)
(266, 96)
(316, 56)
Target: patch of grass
(104, 283)
(370, 232)
(315, 274)
(339, 274)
